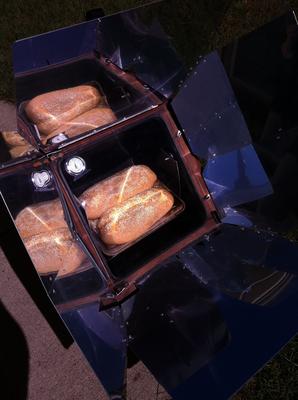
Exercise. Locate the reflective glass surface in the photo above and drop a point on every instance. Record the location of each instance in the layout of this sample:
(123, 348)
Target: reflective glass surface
(262, 69)
(102, 338)
(65, 88)
(236, 177)
(15, 149)
(57, 253)
(208, 112)
(137, 41)
(54, 47)
(133, 153)
(233, 305)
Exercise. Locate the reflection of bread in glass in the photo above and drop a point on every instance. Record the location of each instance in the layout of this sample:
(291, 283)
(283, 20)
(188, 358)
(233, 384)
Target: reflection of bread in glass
(54, 251)
(21, 151)
(88, 121)
(13, 138)
(40, 218)
(50, 110)
(116, 189)
(134, 217)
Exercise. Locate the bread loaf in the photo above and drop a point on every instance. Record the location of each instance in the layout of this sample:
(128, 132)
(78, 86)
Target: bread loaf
(13, 138)
(54, 251)
(134, 217)
(21, 151)
(88, 121)
(50, 110)
(40, 218)
(115, 189)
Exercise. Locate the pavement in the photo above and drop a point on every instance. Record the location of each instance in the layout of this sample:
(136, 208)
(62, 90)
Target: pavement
(39, 365)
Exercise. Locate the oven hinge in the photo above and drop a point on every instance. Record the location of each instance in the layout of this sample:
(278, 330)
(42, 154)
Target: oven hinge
(116, 295)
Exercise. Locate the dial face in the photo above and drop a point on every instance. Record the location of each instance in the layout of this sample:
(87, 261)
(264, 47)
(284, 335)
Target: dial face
(41, 179)
(59, 138)
(75, 166)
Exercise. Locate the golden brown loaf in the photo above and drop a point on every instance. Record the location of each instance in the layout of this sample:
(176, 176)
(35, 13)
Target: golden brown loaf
(134, 217)
(20, 151)
(40, 218)
(88, 121)
(116, 189)
(50, 110)
(13, 138)
(54, 251)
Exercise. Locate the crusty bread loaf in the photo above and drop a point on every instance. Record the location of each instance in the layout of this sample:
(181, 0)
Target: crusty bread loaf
(134, 217)
(54, 251)
(40, 218)
(88, 121)
(115, 189)
(20, 151)
(13, 138)
(50, 110)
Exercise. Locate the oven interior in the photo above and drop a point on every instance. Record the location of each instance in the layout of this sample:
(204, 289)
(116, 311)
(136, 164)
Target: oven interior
(19, 192)
(149, 143)
(123, 98)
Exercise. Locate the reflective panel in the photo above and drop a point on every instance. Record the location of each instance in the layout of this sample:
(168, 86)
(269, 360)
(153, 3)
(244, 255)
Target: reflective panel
(136, 41)
(208, 111)
(253, 265)
(252, 295)
(154, 43)
(102, 338)
(256, 332)
(262, 68)
(175, 326)
(15, 149)
(236, 177)
(236, 217)
(54, 47)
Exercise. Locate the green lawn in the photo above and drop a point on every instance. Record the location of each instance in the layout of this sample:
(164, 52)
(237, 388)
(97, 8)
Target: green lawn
(222, 21)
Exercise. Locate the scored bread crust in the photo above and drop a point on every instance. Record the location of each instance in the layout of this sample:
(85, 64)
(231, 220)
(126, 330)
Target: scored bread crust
(88, 121)
(40, 218)
(20, 151)
(50, 110)
(128, 221)
(116, 189)
(54, 251)
(13, 138)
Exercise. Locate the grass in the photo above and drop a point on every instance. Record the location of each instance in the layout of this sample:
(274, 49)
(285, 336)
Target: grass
(209, 24)
(278, 380)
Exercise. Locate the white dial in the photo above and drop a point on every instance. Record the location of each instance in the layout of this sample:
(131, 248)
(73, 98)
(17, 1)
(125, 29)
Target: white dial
(75, 166)
(41, 179)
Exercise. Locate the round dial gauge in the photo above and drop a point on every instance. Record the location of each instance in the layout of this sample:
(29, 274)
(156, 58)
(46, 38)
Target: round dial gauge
(75, 166)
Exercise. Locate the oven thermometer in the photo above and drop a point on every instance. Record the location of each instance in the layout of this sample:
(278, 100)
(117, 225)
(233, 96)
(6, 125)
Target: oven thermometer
(75, 166)
(41, 179)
